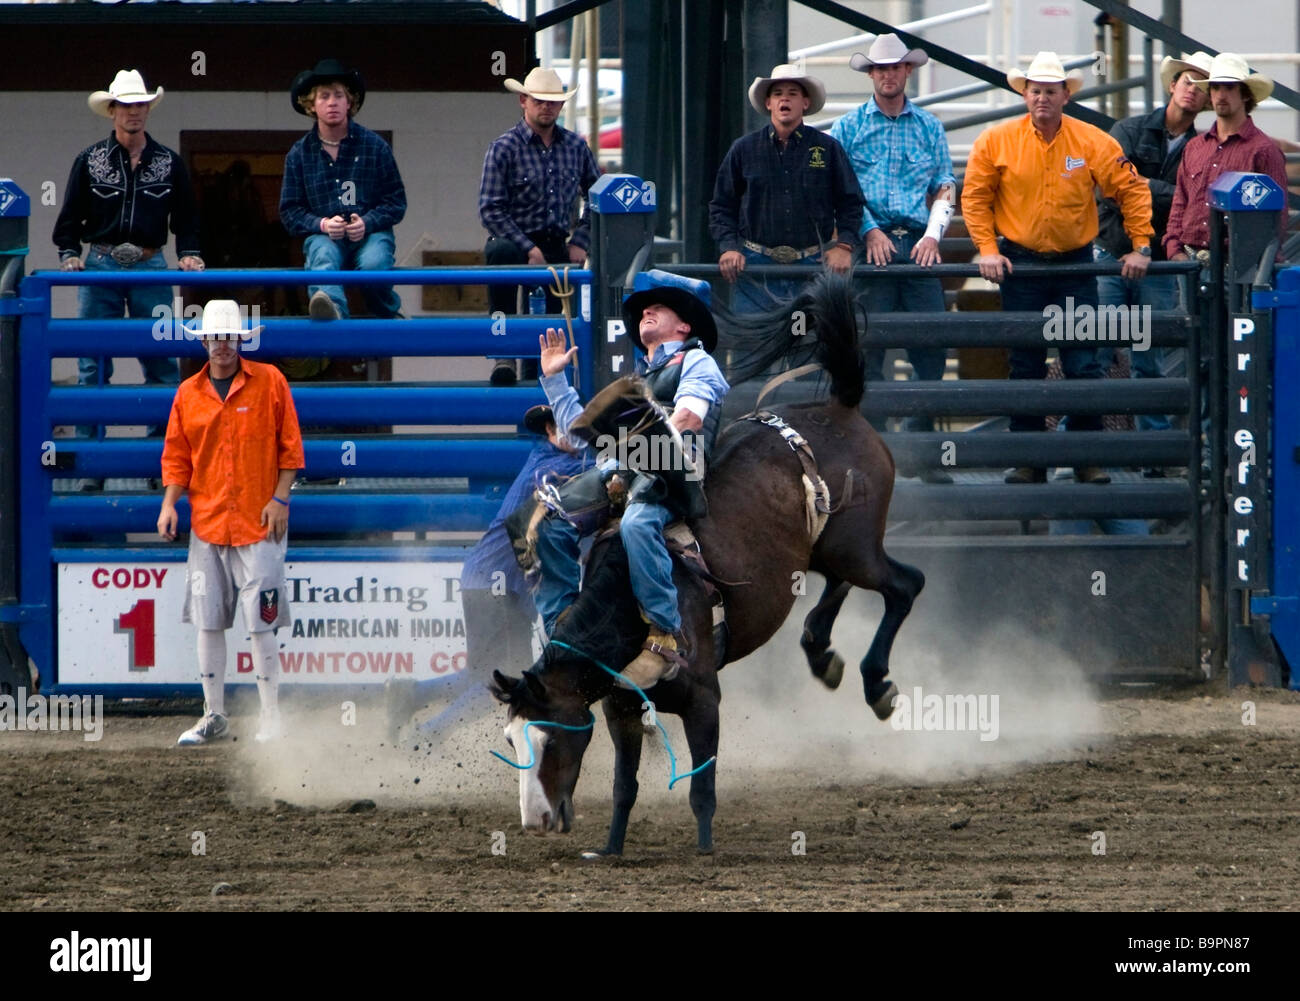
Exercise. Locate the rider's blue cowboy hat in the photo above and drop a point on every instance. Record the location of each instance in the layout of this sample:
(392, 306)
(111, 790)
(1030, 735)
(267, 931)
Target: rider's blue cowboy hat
(327, 71)
(689, 298)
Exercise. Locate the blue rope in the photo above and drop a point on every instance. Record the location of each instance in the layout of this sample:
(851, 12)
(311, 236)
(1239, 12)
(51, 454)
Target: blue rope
(541, 722)
(673, 777)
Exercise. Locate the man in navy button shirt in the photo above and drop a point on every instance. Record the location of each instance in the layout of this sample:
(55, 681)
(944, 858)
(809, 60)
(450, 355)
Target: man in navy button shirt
(785, 194)
(342, 190)
(532, 177)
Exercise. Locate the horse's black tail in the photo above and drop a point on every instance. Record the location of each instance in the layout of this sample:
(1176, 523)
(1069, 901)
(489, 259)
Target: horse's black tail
(820, 325)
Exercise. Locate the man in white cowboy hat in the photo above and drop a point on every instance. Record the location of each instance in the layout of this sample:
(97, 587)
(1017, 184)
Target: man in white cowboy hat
(341, 191)
(1234, 144)
(233, 446)
(122, 193)
(1030, 181)
(900, 155)
(785, 194)
(533, 197)
(1154, 142)
(670, 320)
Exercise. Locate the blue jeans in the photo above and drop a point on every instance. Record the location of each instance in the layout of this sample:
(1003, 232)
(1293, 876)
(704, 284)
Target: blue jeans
(108, 302)
(905, 295)
(557, 552)
(760, 295)
(375, 252)
(650, 566)
(1158, 292)
(1032, 295)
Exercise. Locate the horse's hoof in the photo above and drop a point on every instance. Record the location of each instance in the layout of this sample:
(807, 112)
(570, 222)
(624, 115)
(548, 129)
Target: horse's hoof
(834, 672)
(883, 707)
(704, 850)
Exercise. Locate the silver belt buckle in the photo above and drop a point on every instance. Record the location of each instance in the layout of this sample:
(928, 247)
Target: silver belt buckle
(784, 255)
(899, 231)
(126, 254)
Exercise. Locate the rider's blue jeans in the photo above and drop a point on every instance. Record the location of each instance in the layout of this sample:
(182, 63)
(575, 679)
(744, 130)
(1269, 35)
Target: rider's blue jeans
(649, 564)
(557, 551)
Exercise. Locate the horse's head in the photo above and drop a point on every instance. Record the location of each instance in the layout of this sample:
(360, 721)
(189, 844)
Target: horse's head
(551, 729)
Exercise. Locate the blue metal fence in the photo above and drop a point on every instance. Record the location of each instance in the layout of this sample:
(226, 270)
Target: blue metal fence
(487, 461)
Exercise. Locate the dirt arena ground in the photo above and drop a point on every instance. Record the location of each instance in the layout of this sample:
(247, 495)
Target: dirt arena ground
(1197, 810)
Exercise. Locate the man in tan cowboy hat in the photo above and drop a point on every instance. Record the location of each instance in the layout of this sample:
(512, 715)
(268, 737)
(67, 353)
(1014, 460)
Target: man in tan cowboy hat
(1030, 181)
(900, 155)
(341, 191)
(1234, 144)
(1154, 142)
(122, 193)
(785, 194)
(533, 177)
(233, 447)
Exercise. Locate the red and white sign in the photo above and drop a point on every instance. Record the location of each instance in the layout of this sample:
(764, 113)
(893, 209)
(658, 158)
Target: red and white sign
(353, 623)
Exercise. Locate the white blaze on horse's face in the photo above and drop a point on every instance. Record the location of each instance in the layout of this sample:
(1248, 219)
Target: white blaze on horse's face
(535, 810)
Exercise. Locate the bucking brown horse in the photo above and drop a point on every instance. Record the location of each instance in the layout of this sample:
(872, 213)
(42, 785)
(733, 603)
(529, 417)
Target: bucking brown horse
(763, 530)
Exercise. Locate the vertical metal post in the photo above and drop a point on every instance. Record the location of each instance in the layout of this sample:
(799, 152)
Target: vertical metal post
(1119, 63)
(1171, 13)
(622, 241)
(15, 209)
(593, 80)
(1252, 202)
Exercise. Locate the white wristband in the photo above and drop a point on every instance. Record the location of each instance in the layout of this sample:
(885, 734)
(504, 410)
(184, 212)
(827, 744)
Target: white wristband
(940, 217)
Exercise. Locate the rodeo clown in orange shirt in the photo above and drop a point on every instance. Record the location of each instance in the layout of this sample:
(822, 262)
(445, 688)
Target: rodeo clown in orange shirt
(234, 446)
(1030, 182)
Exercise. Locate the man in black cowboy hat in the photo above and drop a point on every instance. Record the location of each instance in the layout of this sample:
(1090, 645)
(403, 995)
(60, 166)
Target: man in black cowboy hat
(342, 190)
(669, 318)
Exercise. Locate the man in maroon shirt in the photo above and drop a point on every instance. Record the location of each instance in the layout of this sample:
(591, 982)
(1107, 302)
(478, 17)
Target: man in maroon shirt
(1234, 144)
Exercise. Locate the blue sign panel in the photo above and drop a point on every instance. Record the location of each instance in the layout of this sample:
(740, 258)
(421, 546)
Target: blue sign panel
(13, 200)
(1239, 192)
(614, 194)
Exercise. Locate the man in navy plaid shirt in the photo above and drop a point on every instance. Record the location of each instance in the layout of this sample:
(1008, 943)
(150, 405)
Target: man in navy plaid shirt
(342, 190)
(532, 176)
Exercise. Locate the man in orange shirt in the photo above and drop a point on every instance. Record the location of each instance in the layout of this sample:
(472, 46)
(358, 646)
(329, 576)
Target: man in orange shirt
(234, 446)
(1030, 181)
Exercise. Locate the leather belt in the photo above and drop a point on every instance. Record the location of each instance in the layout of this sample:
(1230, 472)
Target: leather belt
(782, 255)
(902, 230)
(125, 254)
(1199, 254)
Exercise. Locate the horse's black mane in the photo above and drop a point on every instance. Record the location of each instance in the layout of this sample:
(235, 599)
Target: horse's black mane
(821, 324)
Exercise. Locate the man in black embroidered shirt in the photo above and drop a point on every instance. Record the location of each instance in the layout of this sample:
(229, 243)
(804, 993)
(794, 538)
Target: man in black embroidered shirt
(786, 194)
(120, 195)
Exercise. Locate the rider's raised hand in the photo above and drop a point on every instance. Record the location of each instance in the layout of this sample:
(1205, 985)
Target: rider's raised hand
(554, 356)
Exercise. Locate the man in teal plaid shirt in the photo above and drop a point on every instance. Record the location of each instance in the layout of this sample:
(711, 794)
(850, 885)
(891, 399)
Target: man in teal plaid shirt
(900, 155)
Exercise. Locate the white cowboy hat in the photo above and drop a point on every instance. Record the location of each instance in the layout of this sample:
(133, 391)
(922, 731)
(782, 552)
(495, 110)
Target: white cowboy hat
(1046, 68)
(813, 87)
(542, 85)
(1171, 67)
(223, 318)
(1228, 67)
(887, 50)
(127, 88)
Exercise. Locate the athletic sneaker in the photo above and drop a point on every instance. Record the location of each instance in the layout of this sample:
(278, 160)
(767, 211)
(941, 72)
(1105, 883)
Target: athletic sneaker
(212, 726)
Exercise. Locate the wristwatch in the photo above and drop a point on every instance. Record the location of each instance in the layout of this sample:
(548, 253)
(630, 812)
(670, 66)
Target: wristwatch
(1145, 251)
